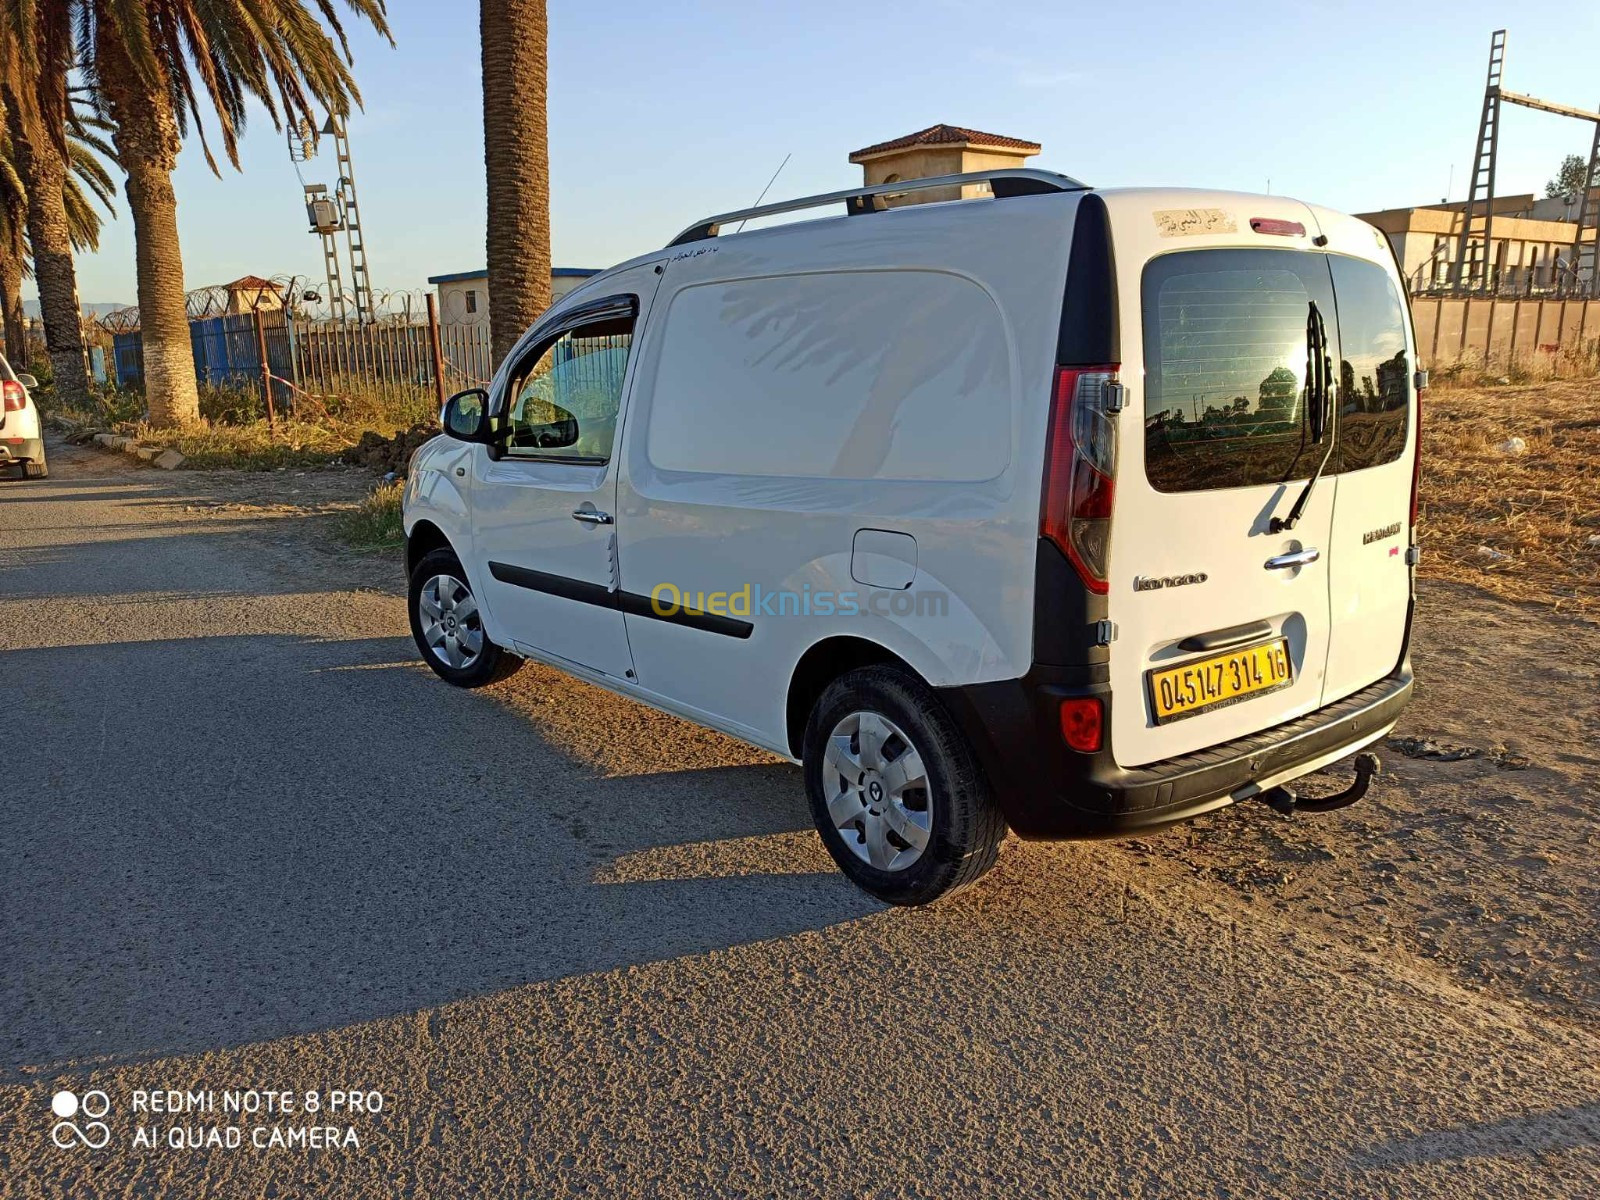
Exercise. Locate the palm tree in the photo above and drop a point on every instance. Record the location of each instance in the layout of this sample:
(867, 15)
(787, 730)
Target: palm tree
(13, 251)
(148, 67)
(35, 54)
(516, 158)
(86, 182)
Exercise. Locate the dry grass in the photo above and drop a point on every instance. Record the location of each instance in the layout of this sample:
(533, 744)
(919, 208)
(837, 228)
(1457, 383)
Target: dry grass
(1517, 525)
(376, 522)
(234, 432)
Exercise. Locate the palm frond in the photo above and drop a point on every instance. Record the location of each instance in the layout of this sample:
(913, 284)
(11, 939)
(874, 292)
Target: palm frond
(209, 57)
(83, 221)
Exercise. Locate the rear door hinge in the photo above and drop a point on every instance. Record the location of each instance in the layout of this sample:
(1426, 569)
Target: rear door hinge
(1413, 555)
(1105, 632)
(1116, 397)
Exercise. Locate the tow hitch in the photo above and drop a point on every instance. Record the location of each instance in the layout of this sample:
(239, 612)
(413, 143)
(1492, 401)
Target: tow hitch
(1282, 800)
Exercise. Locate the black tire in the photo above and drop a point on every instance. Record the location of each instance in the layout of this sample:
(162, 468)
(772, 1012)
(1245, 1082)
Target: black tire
(36, 469)
(965, 824)
(491, 663)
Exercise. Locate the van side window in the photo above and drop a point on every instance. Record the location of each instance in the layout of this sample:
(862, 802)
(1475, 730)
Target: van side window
(1374, 369)
(835, 375)
(1225, 366)
(565, 397)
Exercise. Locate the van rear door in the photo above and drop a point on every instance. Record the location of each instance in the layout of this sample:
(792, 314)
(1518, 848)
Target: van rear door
(1222, 622)
(1369, 578)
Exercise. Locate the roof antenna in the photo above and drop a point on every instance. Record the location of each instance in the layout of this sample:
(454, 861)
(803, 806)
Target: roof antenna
(768, 188)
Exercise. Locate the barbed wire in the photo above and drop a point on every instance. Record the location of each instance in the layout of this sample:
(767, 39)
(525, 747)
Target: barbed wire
(300, 295)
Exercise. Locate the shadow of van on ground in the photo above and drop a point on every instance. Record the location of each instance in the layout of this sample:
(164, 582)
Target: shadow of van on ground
(224, 840)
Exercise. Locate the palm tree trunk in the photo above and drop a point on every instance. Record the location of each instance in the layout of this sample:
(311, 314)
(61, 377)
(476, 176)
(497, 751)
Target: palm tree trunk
(43, 174)
(16, 350)
(516, 154)
(147, 144)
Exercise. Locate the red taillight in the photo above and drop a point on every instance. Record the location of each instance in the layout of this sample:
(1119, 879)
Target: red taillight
(15, 395)
(1280, 228)
(1082, 723)
(1080, 471)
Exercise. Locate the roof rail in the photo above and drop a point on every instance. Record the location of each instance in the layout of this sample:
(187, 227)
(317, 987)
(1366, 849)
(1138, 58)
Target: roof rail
(1012, 181)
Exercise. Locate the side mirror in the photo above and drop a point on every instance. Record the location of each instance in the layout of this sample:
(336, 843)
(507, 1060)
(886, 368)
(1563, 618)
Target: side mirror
(466, 416)
(28, 381)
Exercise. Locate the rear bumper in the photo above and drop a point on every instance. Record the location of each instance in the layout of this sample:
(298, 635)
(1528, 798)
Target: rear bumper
(1049, 791)
(18, 450)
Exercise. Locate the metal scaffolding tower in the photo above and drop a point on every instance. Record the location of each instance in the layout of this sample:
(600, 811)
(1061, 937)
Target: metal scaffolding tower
(322, 211)
(360, 280)
(1475, 270)
(1472, 256)
(1584, 254)
(328, 214)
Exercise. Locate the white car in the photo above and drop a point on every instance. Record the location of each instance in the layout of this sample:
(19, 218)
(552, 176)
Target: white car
(21, 439)
(1074, 511)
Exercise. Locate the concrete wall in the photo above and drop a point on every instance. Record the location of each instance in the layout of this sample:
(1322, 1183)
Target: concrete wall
(454, 304)
(1498, 333)
(457, 297)
(1525, 250)
(923, 162)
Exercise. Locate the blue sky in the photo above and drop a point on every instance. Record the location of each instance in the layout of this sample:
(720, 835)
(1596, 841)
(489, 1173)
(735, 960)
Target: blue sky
(661, 114)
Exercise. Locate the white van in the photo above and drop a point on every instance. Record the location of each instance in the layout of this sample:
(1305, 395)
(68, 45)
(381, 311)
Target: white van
(1078, 512)
(21, 438)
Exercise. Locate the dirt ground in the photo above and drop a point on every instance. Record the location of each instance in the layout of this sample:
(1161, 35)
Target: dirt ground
(588, 949)
(1480, 854)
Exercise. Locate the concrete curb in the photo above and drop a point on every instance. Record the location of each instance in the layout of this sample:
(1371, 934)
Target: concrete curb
(166, 459)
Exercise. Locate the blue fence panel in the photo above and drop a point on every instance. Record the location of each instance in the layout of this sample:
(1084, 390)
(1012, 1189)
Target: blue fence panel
(127, 349)
(225, 350)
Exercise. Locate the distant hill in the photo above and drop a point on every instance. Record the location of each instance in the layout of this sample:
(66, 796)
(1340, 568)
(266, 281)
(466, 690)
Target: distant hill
(30, 308)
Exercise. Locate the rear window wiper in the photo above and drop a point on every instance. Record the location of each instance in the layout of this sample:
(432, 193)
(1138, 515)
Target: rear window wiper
(1319, 396)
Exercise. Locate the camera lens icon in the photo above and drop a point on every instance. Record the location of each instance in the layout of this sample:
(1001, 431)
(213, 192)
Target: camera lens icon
(94, 1133)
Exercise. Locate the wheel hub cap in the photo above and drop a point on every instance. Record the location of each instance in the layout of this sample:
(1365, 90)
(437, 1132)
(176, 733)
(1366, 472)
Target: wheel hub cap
(877, 790)
(451, 624)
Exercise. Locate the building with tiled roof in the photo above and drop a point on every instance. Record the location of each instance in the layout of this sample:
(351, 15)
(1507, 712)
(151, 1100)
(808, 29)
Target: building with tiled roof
(940, 150)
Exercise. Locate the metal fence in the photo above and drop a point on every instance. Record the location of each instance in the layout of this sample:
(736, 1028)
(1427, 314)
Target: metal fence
(323, 359)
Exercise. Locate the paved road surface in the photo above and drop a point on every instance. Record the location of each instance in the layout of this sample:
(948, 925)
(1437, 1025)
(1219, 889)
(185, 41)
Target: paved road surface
(247, 842)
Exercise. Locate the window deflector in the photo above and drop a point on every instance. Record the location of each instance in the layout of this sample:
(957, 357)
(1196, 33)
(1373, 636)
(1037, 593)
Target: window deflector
(610, 308)
(606, 309)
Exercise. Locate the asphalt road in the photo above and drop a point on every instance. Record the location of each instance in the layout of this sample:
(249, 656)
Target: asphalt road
(581, 948)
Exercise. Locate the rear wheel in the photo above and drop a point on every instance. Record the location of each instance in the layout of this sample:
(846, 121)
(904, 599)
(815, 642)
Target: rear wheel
(896, 794)
(448, 625)
(36, 468)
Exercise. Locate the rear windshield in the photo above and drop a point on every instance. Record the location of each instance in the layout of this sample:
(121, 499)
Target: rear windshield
(1374, 370)
(1225, 366)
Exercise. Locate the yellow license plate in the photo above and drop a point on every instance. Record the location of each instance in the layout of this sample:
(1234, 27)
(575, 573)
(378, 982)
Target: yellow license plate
(1223, 679)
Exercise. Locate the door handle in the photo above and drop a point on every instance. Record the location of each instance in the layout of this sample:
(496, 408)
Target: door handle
(591, 516)
(1299, 558)
(1221, 639)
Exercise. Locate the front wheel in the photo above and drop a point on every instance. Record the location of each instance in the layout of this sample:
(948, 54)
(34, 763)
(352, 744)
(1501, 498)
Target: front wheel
(448, 625)
(896, 794)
